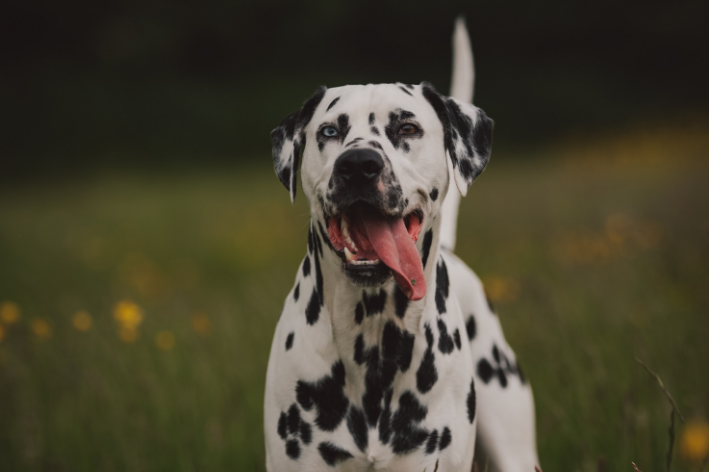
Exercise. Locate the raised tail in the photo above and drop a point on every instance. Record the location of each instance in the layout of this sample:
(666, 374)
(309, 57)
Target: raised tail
(462, 83)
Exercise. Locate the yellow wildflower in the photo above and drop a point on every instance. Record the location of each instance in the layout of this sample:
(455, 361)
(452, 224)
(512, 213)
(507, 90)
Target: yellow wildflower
(617, 228)
(694, 441)
(201, 324)
(501, 289)
(127, 335)
(41, 328)
(81, 320)
(9, 312)
(165, 340)
(128, 314)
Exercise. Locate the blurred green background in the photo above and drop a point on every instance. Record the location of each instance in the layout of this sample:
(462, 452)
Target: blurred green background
(146, 246)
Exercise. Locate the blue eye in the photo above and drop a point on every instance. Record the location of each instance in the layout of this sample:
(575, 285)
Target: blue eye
(329, 131)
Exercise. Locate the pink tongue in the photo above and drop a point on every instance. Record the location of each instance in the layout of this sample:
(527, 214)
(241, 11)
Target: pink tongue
(395, 248)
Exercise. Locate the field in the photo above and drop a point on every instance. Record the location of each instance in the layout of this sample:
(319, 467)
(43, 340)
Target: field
(138, 308)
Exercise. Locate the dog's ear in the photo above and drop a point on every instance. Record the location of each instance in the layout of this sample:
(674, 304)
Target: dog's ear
(467, 134)
(289, 140)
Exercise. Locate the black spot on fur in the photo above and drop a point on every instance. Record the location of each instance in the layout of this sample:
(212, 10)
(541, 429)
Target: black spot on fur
(296, 292)
(376, 145)
(482, 135)
(407, 436)
(318, 244)
(456, 338)
(462, 125)
(291, 424)
(485, 370)
(359, 313)
(393, 196)
(439, 106)
(409, 86)
(293, 419)
(434, 194)
(432, 442)
(359, 350)
(357, 428)
(371, 118)
(442, 287)
(427, 375)
(283, 426)
(501, 368)
(306, 266)
(312, 311)
(374, 304)
(396, 119)
(325, 237)
(385, 419)
(397, 347)
(306, 432)
(445, 342)
(471, 402)
(397, 351)
(502, 377)
(327, 396)
(318, 283)
(401, 302)
(289, 341)
(445, 439)
(375, 131)
(332, 454)
(406, 91)
(355, 140)
(471, 327)
(311, 243)
(427, 240)
(343, 122)
(293, 449)
(332, 103)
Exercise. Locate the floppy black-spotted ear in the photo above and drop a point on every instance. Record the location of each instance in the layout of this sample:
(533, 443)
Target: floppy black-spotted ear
(289, 140)
(467, 134)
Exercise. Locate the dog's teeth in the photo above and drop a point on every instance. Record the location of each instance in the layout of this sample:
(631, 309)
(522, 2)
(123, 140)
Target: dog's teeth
(366, 262)
(348, 255)
(345, 227)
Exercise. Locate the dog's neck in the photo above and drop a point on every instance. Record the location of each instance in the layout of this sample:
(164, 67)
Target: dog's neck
(354, 310)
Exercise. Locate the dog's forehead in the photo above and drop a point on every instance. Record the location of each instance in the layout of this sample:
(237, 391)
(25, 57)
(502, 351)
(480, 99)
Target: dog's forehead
(378, 99)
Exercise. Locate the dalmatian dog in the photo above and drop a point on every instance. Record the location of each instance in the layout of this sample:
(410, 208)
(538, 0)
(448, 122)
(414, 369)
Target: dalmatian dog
(387, 355)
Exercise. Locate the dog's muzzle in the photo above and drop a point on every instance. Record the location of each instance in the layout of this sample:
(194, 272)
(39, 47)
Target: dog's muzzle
(373, 243)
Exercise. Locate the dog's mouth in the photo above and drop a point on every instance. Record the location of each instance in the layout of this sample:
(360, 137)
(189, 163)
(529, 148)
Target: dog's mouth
(373, 245)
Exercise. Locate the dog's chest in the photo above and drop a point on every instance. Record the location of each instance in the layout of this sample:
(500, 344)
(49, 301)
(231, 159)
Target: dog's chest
(361, 388)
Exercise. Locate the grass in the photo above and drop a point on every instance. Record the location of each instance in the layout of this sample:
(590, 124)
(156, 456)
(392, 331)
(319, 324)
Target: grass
(594, 255)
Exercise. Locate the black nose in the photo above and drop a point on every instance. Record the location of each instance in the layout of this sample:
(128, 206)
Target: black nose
(359, 166)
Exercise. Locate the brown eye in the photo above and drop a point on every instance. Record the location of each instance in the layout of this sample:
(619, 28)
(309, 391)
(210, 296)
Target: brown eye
(408, 128)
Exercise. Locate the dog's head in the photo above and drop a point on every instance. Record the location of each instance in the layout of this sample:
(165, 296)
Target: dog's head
(375, 170)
